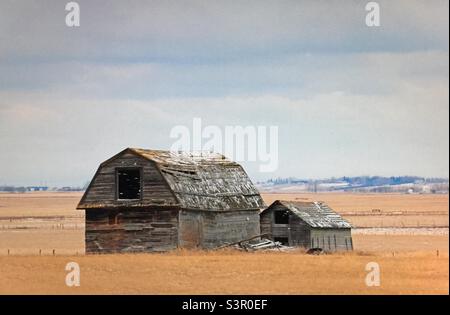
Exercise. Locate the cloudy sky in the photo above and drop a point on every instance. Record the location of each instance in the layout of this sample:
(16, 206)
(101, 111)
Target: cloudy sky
(348, 99)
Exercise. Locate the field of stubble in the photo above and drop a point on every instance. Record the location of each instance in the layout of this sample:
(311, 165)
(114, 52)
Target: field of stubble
(406, 234)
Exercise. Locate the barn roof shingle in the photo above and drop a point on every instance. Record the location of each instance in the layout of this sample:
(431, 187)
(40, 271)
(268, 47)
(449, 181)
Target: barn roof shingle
(204, 180)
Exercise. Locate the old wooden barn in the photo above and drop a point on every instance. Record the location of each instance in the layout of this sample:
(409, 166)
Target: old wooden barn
(306, 224)
(148, 200)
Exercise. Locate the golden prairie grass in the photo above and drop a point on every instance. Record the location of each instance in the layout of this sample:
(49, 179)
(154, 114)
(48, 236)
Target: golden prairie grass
(227, 272)
(39, 203)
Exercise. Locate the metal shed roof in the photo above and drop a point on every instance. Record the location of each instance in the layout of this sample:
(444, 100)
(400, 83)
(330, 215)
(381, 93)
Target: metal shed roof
(316, 214)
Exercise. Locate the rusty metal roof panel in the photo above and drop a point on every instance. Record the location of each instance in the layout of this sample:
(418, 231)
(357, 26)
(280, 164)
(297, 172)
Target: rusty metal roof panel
(205, 181)
(316, 214)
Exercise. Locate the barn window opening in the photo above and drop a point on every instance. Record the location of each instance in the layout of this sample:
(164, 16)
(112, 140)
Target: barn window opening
(281, 217)
(282, 240)
(129, 183)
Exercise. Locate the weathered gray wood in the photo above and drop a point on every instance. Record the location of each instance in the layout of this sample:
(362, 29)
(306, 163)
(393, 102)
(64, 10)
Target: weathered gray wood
(136, 230)
(181, 204)
(299, 233)
(102, 190)
(212, 229)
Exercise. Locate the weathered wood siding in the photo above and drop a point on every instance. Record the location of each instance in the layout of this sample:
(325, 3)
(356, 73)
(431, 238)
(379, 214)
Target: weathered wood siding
(209, 229)
(227, 227)
(301, 234)
(131, 230)
(266, 220)
(102, 190)
(332, 239)
(296, 231)
(190, 229)
(269, 226)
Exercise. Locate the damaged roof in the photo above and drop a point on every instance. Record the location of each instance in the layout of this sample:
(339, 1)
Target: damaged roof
(316, 214)
(204, 180)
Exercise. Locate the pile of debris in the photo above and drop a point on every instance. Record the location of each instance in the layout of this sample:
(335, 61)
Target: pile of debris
(256, 244)
(264, 244)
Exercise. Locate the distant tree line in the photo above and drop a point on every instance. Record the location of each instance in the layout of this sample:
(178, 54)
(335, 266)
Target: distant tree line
(360, 181)
(22, 189)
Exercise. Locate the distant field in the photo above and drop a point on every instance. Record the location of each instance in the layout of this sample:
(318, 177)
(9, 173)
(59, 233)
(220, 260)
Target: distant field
(62, 203)
(39, 203)
(349, 202)
(48, 221)
(228, 272)
(395, 210)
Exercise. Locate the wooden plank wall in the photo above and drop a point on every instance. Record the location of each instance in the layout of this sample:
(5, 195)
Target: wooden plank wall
(102, 192)
(332, 239)
(209, 229)
(299, 232)
(231, 226)
(190, 234)
(302, 235)
(140, 230)
(266, 222)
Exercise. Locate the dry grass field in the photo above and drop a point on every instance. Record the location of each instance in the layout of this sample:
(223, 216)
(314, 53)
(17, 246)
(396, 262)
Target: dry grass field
(34, 223)
(227, 273)
(39, 204)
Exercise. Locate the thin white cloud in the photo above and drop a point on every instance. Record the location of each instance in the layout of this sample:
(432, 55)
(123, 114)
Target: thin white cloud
(329, 134)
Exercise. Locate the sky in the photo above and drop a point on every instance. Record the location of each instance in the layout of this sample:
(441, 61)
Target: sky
(347, 99)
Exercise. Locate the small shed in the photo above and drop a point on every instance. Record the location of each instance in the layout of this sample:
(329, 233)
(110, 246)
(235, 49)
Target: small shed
(306, 224)
(150, 200)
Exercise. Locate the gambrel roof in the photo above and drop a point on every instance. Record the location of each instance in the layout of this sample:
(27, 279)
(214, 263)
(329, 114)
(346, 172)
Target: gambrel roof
(203, 180)
(314, 213)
